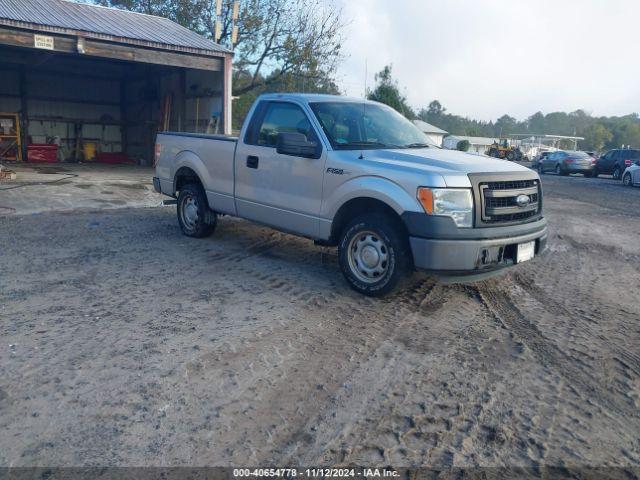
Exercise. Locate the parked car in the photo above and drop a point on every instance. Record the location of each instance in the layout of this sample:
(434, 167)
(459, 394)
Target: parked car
(538, 159)
(357, 175)
(564, 162)
(615, 161)
(631, 175)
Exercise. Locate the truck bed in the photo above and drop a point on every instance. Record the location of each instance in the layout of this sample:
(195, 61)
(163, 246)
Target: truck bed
(211, 157)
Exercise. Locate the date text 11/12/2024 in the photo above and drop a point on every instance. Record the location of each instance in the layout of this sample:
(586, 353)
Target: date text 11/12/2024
(315, 472)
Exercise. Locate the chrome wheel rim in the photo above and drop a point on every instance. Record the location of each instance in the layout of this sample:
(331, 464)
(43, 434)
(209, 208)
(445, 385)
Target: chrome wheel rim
(627, 180)
(189, 212)
(368, 257)
(616, 174)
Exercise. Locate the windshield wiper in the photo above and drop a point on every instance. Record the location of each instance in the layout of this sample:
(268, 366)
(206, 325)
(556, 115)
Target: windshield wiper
(417, 145)
(368, 144)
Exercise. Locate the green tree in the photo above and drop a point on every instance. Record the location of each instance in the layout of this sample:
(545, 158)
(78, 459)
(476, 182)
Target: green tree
(626, 132)
(387, 92)
(276, 38)
(289, 82)
(463, 145)
(506, 125)
(435, 109)
(596, 136)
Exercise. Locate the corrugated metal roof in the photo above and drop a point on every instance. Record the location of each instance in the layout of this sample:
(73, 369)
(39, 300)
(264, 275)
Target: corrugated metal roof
(428, 128)
(63, 16)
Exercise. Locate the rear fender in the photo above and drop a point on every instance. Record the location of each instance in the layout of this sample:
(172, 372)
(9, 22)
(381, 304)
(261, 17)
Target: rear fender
(190, 160)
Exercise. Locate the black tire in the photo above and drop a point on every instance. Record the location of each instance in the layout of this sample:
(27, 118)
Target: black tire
(617, 172)
(388, 248)
(595, 174)
(194, 216)
(626, 180)
(558, 170)
(494, 153)
(511, 156)
(540, 169)
(588, 174)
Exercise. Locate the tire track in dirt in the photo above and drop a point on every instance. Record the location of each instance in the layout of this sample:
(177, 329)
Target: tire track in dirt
(498, 302)
(630, 359)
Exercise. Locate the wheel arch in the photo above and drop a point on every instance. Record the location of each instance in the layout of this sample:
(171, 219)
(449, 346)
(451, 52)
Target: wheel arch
(359, 194)
(359, 206)
(189, 169)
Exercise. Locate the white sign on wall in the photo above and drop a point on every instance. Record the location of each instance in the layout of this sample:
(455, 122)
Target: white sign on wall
(43, 41)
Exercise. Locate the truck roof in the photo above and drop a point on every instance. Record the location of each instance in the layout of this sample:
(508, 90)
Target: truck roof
(312, 97)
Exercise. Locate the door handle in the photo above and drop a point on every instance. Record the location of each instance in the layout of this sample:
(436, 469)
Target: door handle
(252, 161)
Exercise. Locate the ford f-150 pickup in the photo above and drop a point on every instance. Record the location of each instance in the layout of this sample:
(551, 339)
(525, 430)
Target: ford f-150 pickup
(357, 175)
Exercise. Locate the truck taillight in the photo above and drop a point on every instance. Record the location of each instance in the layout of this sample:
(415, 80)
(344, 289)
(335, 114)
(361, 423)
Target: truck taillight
(627, 162)
(157, 151)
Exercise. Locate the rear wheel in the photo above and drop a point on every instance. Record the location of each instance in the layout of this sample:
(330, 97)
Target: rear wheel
(374, 254)
(540, 169)
(626, 180)
(558, 171)
(617, 172)
(511, 156)
(194, 216)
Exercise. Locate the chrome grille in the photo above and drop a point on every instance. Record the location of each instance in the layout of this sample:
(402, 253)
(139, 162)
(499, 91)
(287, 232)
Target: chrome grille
(500, 200)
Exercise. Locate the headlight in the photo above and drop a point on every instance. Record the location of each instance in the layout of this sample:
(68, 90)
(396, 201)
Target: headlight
(456, 203)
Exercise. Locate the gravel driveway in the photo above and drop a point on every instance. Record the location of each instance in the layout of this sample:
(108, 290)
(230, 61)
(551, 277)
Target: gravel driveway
(126, 343)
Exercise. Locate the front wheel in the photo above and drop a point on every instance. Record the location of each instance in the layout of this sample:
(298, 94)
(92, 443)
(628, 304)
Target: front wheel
(540, 169)
(626, 180)
(194, 216)
(617, 172)
(374, 254)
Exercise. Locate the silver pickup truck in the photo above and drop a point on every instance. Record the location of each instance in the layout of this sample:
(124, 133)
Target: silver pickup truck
(357, 175)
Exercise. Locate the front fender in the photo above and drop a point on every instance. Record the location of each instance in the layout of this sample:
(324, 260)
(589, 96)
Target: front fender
(370, 187)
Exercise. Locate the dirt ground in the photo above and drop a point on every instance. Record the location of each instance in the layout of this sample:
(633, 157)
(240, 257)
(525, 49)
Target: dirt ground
(126, 343)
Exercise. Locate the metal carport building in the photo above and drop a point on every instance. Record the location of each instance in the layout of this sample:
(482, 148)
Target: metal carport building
(91, 76)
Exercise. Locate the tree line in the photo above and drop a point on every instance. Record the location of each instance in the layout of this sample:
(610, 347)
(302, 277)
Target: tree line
(296, 45)
(600, 133)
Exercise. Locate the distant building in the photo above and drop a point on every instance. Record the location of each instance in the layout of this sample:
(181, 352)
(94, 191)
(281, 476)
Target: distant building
(433, 133)
(478, 145)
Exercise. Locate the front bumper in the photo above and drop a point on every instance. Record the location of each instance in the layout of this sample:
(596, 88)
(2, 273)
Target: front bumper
(473, 256)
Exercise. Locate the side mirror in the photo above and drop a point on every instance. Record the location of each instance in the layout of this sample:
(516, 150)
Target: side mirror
(297, 145)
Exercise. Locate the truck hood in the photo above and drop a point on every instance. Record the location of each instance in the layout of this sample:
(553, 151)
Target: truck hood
(453, 166)
(444, 161)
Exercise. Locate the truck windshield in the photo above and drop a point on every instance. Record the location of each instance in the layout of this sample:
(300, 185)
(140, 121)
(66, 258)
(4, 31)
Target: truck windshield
(356, 126)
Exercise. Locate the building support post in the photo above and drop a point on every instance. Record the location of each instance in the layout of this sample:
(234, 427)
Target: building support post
(227, 94)
(24, 114)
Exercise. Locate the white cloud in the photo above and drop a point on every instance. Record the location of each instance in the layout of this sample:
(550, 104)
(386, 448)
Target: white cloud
(484, 58)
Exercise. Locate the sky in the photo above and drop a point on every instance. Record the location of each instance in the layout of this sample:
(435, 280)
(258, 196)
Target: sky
(485, 58)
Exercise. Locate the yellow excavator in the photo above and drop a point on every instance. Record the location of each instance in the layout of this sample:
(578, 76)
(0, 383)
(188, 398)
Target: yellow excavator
(504, 149)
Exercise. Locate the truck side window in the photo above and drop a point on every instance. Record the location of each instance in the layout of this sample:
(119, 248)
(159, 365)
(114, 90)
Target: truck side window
(281, 117)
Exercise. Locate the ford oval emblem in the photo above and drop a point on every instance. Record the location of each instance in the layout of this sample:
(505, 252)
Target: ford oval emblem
(523, 200)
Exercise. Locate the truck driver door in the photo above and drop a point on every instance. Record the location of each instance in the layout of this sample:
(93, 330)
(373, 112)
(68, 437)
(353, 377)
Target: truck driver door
(284, 191)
